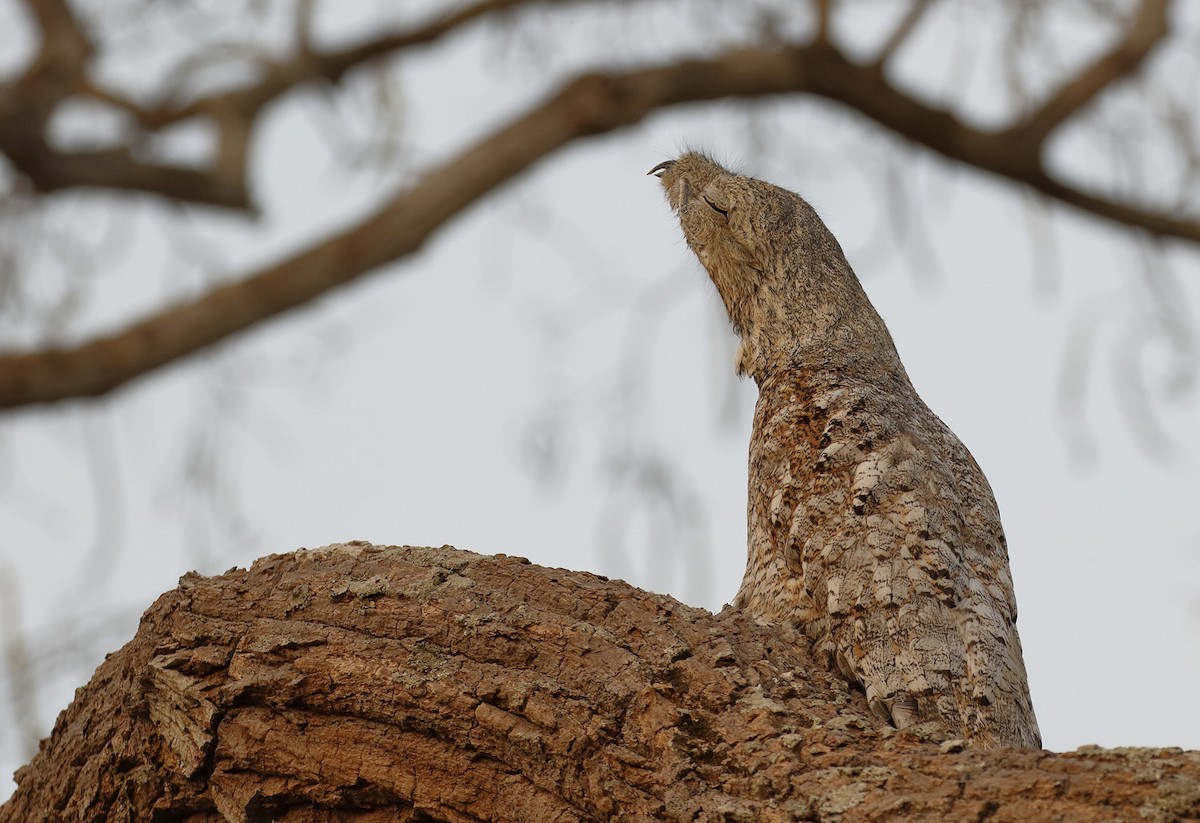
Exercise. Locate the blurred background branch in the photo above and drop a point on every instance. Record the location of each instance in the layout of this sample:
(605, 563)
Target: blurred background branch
(589, 104)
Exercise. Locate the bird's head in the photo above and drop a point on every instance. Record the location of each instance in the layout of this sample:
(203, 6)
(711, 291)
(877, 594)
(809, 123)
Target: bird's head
(781, 274)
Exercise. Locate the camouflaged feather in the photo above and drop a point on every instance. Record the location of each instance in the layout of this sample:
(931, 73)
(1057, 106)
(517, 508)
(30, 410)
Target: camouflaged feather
(870, 524)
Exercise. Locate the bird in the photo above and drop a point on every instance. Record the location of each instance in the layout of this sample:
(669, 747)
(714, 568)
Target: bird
(870, 527)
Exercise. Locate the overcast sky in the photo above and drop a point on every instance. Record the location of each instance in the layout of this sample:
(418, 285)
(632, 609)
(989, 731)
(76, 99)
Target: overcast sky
(498, 390)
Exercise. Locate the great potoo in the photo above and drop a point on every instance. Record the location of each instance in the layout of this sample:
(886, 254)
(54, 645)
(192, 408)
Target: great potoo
(871, 527)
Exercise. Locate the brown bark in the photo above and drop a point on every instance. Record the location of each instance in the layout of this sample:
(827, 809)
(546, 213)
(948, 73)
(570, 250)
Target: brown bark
(365, 683)
(589, 104)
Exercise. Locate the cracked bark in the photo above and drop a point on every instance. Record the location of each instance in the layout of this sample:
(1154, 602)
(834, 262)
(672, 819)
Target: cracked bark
(365, 683)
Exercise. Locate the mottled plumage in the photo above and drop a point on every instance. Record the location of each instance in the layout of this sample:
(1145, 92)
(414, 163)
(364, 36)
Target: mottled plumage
(871, 527)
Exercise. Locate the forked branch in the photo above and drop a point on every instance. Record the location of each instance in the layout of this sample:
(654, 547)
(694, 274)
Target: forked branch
(61, 71)
(1146, 30)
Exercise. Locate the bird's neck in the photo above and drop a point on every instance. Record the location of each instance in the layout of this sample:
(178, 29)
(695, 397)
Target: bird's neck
(809, 367)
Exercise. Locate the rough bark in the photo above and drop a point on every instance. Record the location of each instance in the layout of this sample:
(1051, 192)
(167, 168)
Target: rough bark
(364, 683)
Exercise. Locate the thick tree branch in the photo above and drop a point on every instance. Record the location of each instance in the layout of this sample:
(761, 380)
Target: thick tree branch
(365, 683)
(591, 104)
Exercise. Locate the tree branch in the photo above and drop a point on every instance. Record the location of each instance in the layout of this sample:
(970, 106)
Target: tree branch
(60, 71)
(1147, 29)
(51, 170)
(283, 77)
(234, 113)
(903, 30)
(824, 20)
(591, 104)
(360, 682)
(57, 69)
(63, 38)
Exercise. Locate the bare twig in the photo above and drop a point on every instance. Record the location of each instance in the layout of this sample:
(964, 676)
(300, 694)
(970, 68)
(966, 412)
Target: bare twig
(26, 105)
(18, 659)
(303, 21)
(824, 20)
(1146, 30)
(331, 66)
(902, 31)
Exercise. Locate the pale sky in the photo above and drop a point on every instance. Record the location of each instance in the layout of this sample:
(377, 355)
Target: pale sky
(565, 310)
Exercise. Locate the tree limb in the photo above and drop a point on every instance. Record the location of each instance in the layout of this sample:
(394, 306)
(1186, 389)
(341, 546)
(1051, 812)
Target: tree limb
(590, 104)
(363, 683)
